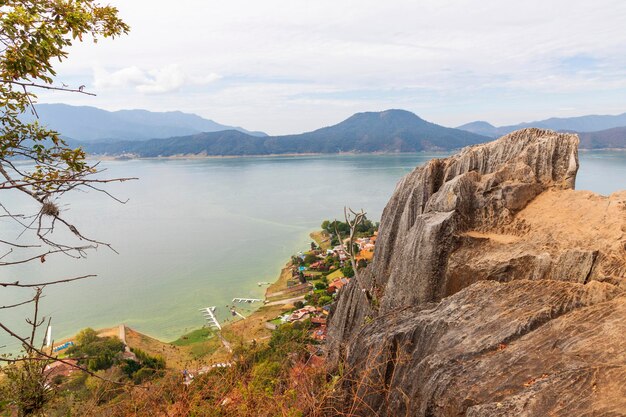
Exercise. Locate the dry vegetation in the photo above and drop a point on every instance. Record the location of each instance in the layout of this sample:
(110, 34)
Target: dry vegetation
(278, 378)
(322, 239)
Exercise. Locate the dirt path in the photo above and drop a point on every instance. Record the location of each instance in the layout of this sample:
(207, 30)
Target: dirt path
(225, 342)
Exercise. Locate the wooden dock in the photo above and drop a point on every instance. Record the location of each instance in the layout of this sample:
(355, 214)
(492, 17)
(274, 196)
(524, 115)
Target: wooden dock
(209, 315)
(247, 300)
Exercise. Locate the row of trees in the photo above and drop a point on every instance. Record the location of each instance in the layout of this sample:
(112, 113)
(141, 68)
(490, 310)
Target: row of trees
(364, 227)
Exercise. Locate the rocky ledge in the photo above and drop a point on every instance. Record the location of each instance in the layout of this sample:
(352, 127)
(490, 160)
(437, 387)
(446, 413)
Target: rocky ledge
(495, 289)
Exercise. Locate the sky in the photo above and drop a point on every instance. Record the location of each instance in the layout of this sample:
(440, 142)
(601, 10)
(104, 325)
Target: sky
(291, 66)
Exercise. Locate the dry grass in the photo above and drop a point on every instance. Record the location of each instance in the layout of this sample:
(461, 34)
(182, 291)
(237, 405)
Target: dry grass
(303, 387)
(321, 238)
(176, 357)
(253, 327)
(334, 275)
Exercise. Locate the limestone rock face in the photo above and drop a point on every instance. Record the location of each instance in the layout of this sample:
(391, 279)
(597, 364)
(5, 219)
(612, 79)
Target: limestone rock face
(505, 211)
(524, 348)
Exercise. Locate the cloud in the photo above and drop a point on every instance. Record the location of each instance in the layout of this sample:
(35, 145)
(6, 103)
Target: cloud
(124, 78)
(450, 60)
(155, 81)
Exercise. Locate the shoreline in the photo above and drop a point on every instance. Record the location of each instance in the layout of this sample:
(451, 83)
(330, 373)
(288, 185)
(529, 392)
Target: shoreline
(202, 156)
(179, 354)
(273, 155)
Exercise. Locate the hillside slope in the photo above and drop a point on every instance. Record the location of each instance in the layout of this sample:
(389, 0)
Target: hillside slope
(605, 139)
(387, 131)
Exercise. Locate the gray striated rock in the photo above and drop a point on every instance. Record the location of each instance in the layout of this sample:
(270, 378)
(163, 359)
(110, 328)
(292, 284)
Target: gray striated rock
(480, 188)
(503, 211)
(525, 348)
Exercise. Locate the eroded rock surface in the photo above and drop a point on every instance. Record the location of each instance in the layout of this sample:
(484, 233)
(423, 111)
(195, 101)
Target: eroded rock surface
(505, 211)
(533, 348)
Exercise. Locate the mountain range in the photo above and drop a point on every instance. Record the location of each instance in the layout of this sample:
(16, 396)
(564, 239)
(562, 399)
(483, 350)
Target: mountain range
(590, 123)
(387, 131)
(143, 133)
(89, 124)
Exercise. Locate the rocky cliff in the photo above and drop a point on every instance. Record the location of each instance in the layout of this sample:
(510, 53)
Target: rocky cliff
(496, 289)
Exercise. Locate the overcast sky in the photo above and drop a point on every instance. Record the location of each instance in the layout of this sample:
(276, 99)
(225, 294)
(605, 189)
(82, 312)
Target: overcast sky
(296, 65)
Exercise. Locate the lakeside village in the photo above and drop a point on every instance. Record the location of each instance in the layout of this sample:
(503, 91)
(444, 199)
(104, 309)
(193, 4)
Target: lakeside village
(321, 273)
(273, 355)
(303, 295)
(301, 299)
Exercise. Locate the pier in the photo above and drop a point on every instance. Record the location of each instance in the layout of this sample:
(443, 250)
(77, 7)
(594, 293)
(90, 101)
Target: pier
(247, 300)
(234, 312)
(209, 315)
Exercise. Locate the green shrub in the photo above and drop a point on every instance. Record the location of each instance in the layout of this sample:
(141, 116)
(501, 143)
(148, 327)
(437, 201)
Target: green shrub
(142, 375)
(265, 376)
(130, 367)
(320, 286)
(325, 299)
(144, 367)
(97, 353)
(310, 258)
(347, 271)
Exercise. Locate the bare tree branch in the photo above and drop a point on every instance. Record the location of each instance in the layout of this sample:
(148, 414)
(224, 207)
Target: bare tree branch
(48, 87)
(50, 252)
(353, 219)
(44, 284)
(18, 304)
(19, 246)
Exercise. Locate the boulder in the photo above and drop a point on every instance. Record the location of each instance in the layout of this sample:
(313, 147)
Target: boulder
(494, 238)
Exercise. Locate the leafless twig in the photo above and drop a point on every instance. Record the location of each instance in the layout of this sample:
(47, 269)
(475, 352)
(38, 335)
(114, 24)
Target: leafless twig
(48, 87)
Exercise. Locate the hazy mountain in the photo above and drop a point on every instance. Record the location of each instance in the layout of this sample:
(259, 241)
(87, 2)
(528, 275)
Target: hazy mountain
(591, 123)
(387, 131)
(611, 138)
(88, 124)
(481, 128)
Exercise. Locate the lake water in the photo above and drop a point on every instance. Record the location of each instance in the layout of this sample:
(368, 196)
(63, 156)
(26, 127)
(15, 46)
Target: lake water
(197, 233)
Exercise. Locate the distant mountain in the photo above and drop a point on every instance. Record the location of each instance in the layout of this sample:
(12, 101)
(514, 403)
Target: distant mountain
(387, 131)
(591, 123)
(88, 124)
(605, 139)
(225, 143)
(481, 128)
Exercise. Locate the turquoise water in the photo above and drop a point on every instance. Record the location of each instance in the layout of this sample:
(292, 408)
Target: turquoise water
(197, 233)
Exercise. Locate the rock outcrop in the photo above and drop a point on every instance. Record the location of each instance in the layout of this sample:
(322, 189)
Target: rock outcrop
(495, 289)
